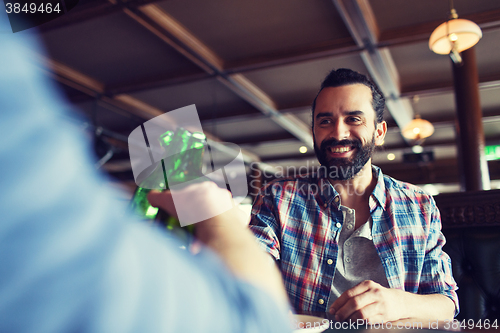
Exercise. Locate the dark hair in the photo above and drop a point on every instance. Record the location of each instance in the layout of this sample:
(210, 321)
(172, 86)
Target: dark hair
(344, 77)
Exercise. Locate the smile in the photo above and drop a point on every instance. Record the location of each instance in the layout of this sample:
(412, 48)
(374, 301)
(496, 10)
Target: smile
(339, 149)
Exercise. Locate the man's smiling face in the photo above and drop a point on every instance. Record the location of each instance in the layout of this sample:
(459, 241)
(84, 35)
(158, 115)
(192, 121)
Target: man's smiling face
(345, 131)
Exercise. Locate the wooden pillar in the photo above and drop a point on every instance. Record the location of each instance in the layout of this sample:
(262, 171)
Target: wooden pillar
(473, 167)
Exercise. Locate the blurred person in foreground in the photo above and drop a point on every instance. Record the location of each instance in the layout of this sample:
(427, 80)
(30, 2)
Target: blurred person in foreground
(72, 260)
(348, 239)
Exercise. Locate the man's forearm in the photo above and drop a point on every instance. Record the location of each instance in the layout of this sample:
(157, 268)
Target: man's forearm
(226, 234)
(236, 245)
(431, 307)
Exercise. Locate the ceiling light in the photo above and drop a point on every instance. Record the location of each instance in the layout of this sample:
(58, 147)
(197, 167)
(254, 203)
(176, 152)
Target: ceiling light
(418, 129)
(417, 149)
(391, 157)
(303, 149)
(454, 36)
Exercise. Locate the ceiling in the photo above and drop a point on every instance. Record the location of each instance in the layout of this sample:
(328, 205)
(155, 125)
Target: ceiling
(252, 68)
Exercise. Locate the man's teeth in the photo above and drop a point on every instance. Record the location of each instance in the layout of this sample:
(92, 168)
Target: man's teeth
(339, 149)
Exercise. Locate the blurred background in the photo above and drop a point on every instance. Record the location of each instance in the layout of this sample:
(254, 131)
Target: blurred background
(252, 68)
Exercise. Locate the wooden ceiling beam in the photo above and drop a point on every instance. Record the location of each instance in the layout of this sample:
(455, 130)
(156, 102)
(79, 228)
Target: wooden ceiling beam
(94, 88)
(416, 33)
(174, 34)
(183, 39)
(489, 20)
(67, 75)
(156, 28)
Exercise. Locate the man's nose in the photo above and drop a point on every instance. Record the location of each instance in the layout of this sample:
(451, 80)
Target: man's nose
(339, 130)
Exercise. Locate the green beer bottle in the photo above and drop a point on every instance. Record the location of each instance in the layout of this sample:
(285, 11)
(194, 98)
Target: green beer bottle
(186, 166)
(183, 166)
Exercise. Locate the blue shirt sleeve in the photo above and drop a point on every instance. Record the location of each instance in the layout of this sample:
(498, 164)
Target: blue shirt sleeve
(71, 259)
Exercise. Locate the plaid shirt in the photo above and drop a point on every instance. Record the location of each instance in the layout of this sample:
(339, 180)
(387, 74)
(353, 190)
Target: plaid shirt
(298, 221)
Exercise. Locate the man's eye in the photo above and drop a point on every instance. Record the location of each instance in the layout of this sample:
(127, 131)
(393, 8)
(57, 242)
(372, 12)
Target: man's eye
(324, 121)
(353, 119)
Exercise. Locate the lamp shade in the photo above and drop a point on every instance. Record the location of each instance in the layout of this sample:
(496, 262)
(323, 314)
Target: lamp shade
(464, 33)
(418, 129)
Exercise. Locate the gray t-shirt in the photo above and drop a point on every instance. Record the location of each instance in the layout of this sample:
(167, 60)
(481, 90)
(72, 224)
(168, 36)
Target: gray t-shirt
(357, 259)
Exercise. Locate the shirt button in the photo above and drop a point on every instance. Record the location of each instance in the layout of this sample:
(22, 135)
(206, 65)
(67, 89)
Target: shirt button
(349, 226)
(329, 261)
(325, 205)
(338, 225)
(336, 199)
(321, 301)
(347, 259)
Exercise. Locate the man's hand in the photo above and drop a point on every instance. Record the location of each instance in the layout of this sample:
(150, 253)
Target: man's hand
(369, 301)
(195, 200)
(202, 199)
(372, 302)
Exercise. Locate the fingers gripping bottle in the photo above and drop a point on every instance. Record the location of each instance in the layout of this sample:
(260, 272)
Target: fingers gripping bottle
(183, 162)
(185, 166)
(151, 178)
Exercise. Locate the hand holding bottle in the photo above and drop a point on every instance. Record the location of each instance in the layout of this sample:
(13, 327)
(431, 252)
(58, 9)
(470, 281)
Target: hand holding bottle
(202, 199)
(182, 163)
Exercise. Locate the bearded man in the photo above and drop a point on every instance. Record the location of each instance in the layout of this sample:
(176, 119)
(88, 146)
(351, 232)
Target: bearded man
(348, 239)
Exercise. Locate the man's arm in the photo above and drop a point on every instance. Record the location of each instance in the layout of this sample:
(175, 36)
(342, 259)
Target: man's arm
(228, 236)
(72, 260)
(264, 224)
(437, 299)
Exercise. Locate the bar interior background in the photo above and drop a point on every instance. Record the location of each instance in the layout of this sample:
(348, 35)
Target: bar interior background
(253, 68)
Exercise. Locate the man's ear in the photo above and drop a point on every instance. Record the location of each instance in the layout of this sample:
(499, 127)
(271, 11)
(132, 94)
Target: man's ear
(380, 133)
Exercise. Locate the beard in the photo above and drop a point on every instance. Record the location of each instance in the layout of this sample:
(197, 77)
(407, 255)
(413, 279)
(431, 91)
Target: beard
(344, 168)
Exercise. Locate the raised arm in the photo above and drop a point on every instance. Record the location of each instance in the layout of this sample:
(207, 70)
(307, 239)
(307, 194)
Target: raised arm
(228, 236)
